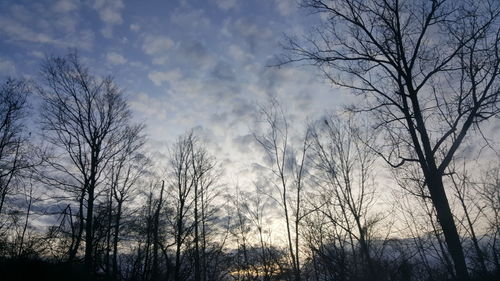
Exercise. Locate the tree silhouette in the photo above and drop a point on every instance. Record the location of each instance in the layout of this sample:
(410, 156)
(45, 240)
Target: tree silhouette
(88, 122)
(428, 71)
(13, 136)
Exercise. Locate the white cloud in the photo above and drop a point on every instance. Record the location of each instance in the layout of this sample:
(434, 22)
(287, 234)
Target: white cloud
(36, 24)
(19, 32)
(286, 7)
(85, 39)
(237, 53)
(37, 54)
(160, 60)
(226, 4)
(115, 58)
(7, 67)
(20, 12)
(170, 76)
(109, 10)
(149, 106)
(135, 27)
(107, 31)
(156, 44)
(67, 23)
(193, 19)
(64, 6)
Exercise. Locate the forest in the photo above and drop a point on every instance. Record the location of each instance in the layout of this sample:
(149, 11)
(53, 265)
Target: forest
(403, 184)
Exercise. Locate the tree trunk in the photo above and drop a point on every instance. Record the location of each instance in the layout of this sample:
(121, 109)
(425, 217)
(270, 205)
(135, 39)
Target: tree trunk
(108, 233)
(178, 241)
(89, 230)
(197, 270)
(25, 224)
(155, 270)
(445, 218)
(475, 242)
(74, 249)
(115, 240)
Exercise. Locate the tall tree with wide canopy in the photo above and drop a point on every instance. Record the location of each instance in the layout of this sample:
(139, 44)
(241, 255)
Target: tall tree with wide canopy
(87, 120)
(428, 70)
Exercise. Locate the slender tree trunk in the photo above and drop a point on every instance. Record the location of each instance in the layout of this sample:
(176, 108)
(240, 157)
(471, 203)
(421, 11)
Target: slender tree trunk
(178, 241)
(148, 237)
(25, 224)
(74, 250)
(297, 224)
(289, 235)
(365, 251)
(89, 229)
(2, 198)
(155, 270)
(7, 182)
(204, 236)
(116, 237)
(197, 270)
(475, 242)
(108, 233)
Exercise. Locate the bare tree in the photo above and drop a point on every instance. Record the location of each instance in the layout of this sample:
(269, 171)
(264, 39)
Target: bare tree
(428, 70)
(13, 136)
(488, 189)
(192, 175)
(344, 160)
(288, 168)
(471, 209)
(252, 237)
(86, 119)
(125, 172)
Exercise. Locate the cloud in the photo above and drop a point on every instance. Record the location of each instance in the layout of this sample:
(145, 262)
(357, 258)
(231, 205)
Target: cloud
(18, 31)
(64, 6)
(110, 12)
(67, 23)
(196, 54)
(286, 7)
(135, 27)
(170, 76)
(255, 36)
(226, 4)
(84, 39)
(223, 72)
(7, 67)
(37, 54)
(191, 19)
(244, 142)
(160, 60)
(156, 44)
(115, 58)
(149, 106)
(36, 24)
(237, 53)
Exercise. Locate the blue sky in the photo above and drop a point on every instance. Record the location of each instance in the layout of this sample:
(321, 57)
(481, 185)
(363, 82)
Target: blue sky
(183, 64)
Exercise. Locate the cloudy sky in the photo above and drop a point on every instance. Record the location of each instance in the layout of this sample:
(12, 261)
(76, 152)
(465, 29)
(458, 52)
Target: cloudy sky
(183, 63)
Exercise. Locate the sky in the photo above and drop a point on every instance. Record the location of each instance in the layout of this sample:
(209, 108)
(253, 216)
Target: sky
(183, 64)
